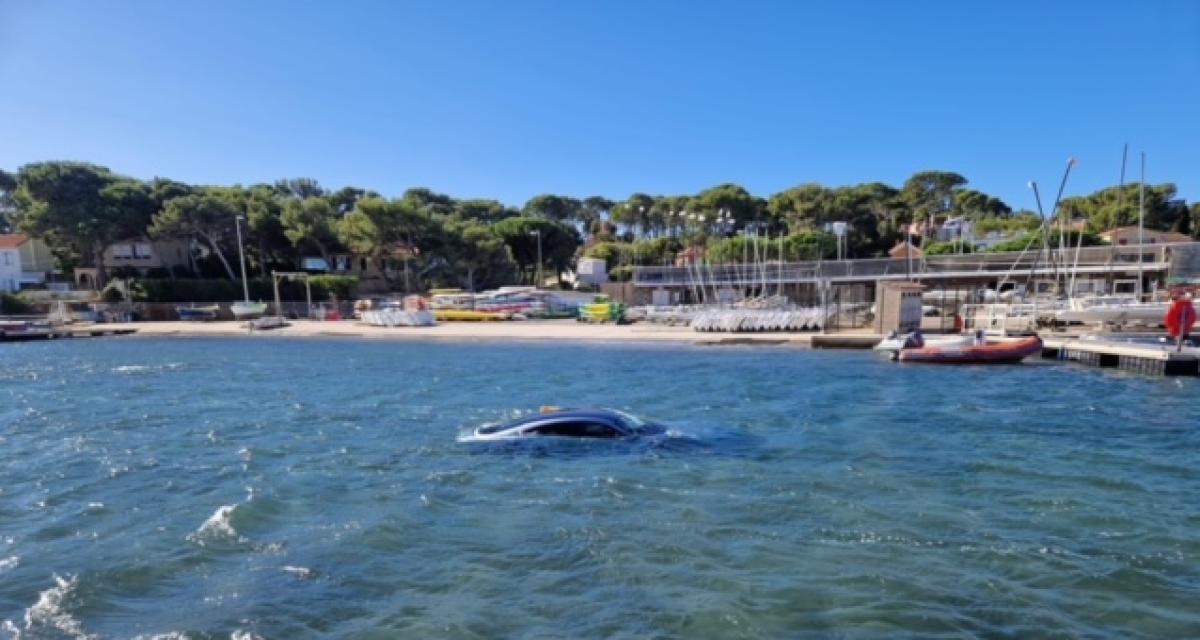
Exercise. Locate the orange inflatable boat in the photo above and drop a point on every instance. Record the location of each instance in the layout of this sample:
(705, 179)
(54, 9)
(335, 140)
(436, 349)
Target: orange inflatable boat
(994, 353)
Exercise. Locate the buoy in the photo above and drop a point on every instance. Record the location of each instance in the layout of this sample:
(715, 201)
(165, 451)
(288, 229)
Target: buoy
(1180, 317)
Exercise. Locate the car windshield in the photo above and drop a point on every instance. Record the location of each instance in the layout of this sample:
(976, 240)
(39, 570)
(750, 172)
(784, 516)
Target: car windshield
(631, 423)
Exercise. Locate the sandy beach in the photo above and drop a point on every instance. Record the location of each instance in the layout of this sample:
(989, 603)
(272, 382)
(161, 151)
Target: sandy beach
(554, 330)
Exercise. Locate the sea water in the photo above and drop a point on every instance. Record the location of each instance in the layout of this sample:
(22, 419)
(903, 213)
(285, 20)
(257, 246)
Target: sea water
(277, 488)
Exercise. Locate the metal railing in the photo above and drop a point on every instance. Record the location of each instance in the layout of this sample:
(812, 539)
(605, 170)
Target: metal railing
(1152, 256)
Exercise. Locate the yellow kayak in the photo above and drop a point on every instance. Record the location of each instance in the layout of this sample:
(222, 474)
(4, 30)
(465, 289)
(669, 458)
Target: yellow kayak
(465, 315)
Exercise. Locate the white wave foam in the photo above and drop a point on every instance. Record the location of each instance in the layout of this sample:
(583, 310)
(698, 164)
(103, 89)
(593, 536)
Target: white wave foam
(238, 634)
(11, 562)
(303, 573)
(170, 635)
(131, 368)
(219, 524)
(49, 613)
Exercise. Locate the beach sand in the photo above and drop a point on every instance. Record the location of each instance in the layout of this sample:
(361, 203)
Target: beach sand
(550, 330)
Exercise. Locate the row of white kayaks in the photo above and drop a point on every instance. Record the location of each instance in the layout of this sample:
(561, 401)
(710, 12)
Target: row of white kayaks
(397, 317)
(750, 320)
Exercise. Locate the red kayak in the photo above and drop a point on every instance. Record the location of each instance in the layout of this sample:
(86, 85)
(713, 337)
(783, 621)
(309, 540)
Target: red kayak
(994, 353)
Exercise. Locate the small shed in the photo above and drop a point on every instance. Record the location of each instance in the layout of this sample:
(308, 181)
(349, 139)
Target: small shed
(898, 307)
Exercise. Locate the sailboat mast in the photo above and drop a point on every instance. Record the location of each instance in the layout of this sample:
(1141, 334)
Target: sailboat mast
(237, 225)
(1043, 254)
(1054, 214)
(779, 271)
(1141, 224)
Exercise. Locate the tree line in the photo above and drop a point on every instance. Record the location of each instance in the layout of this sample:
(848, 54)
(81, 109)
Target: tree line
(424, 238)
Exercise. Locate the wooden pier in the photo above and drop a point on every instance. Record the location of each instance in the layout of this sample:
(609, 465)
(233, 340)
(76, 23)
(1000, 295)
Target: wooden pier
(1146, 359)
(58, 333)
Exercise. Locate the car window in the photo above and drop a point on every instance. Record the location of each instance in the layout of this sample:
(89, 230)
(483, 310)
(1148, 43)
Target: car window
(576, 429)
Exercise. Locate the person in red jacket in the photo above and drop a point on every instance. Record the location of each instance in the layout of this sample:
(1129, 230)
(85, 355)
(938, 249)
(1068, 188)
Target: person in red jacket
(1180, 318)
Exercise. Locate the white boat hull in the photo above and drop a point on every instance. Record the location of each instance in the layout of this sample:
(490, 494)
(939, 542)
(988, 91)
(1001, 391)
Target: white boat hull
(266, 322)
(1147, 313)
(248, 309)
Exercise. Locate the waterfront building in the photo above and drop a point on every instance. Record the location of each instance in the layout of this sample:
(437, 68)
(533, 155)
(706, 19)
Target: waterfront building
(1107, 269)
(1123, 236)
(24, 262)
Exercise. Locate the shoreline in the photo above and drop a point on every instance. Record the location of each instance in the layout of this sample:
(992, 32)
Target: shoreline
(508, 331)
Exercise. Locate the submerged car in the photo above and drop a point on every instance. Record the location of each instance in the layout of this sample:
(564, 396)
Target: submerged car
(570, 423)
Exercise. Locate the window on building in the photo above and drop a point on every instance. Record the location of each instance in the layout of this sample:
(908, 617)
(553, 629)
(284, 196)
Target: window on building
(7, 259)
(143, 251)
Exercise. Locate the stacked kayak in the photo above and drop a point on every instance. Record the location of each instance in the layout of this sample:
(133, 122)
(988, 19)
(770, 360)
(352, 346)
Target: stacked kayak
(992, 353)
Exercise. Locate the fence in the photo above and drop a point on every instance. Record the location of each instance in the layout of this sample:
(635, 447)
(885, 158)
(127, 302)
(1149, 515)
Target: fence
(849, 306)
(166, 311)
(700, 275)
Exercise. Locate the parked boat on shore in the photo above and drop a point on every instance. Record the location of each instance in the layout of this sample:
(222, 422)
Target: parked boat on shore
(197, 314)
(24, 329)
(466, 315)
(245, 309)
(413, 311)
(266, 322)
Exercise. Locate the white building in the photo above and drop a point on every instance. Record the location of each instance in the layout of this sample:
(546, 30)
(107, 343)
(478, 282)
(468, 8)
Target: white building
(24, 261)
(956, 229)
(591, 271)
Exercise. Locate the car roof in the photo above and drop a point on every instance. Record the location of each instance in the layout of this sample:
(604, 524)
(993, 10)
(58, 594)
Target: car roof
(602, 416)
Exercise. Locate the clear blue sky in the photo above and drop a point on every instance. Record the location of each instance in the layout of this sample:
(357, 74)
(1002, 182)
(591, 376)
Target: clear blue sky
(514, 98)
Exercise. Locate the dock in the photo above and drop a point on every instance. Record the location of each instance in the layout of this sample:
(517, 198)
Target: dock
(845, 340)
(61, 332)
(1145, 359)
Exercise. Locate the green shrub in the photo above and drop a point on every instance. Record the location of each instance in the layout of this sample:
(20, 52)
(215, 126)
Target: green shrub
(610, 252)
(14, 305)
(222, 290)
(1034, 241)
(343, 287)
(112, 294)
(157, 290)
(621, 274)
(947, 248)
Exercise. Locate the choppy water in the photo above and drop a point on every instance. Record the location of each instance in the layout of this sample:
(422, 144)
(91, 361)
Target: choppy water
(302, 489)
